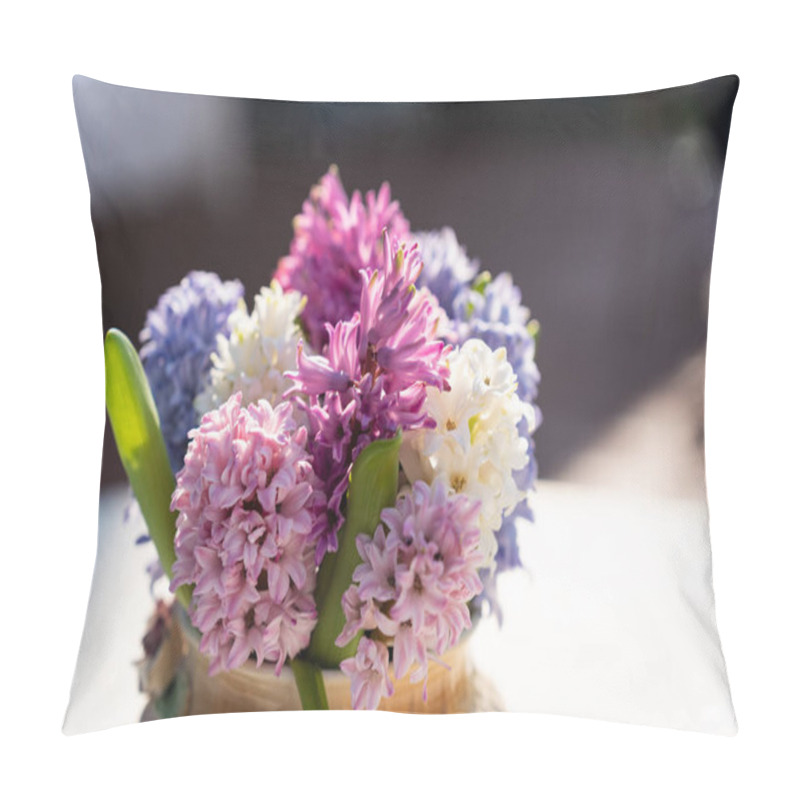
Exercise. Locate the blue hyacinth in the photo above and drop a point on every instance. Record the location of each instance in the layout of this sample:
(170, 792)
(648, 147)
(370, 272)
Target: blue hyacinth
(481, 307)
(446, 268)
(179, 335)
(491, 309)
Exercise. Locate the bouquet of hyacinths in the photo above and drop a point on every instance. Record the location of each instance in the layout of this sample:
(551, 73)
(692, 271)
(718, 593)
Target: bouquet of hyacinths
(334, 479)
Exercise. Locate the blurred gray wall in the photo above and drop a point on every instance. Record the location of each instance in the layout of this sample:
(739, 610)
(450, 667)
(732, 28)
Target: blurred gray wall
(602, 208)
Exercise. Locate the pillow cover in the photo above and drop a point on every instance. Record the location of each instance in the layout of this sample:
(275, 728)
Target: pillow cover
(406, 400)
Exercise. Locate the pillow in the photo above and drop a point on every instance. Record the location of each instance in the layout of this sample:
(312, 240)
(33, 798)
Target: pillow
(407, 401)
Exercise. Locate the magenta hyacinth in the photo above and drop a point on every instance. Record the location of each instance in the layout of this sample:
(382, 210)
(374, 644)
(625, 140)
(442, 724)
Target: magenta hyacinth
(335, 238)
(419, 572)
(371, 381)
(246, 500)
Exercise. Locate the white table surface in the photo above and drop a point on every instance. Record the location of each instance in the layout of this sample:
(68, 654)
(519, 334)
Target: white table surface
(612, 618)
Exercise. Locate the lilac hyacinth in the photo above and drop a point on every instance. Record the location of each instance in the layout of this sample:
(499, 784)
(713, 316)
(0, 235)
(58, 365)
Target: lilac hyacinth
(372, 378)
(335, 238)
(179, 335)
(418, 573)
(246, 500)
(368, 671)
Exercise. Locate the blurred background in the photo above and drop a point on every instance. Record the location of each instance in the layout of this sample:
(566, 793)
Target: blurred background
(603, 209)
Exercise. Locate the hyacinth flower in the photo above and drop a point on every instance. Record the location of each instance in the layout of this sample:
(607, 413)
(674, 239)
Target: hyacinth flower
(178, 337)
(368, 671)
(246, 500)
(489, 309)
(257, 352)
(371, 380)
(479, 305)
(418, 573)
(448, 269)
(475, 445)
(507, 556)
(243, 502)
(335, 238)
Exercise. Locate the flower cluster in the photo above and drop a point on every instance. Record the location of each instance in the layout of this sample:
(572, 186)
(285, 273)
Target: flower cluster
(480, 307)
(366, 332)
(335, 238)
(177, 341)
(245, 501)
(372, 378)
(489, 309)
(475, 445)
(416, 577)
(259, 350)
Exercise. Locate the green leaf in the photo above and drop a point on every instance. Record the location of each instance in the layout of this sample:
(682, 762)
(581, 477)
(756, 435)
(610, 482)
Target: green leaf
(141, 447)
(373, 487)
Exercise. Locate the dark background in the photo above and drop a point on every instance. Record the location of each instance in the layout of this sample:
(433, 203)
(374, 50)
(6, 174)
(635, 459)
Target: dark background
(603, 209)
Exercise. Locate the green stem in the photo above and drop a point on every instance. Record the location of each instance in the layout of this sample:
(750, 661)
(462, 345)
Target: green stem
(310, 685)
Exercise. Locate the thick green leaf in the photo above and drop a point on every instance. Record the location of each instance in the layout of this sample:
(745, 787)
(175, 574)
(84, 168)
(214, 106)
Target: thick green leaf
(373, 487)
(141, 447)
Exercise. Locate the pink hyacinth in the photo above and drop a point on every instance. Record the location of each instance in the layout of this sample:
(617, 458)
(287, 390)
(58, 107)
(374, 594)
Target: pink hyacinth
(368, 671)
(419, 572)
(334, 239)
(246, 500)
(372, 378)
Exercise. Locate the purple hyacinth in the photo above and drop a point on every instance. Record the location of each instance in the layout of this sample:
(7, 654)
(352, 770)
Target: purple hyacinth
(372, 378)
(179, 335)
(335, 237)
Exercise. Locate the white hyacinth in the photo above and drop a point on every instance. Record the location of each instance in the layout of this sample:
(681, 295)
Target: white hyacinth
(261, 347)
(476, 445)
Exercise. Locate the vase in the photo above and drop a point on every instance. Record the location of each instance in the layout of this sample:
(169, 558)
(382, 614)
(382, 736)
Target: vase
(174, 676)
